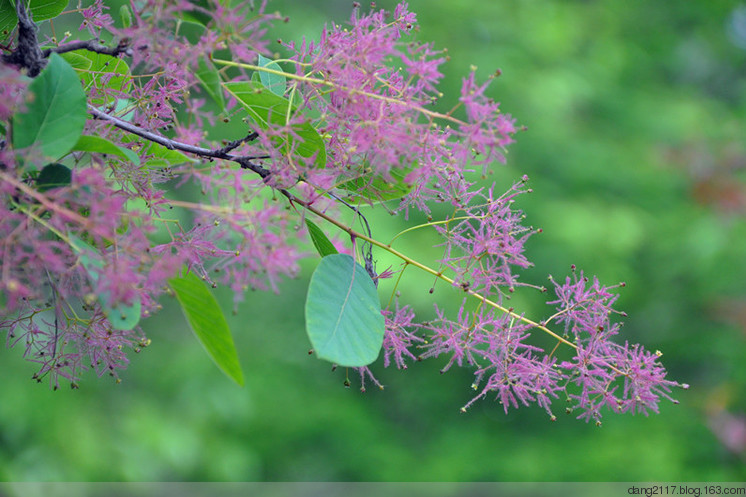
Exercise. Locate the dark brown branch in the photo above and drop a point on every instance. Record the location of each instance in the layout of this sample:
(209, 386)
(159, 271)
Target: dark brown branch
(123, 47)
(235, 143)
(243, 161)
(27, 54)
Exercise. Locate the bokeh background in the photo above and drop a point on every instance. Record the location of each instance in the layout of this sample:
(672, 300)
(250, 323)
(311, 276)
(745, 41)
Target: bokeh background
(636, 150)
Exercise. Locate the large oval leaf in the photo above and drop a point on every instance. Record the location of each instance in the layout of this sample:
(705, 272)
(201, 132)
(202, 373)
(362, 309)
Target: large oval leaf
(343, 313)
(206, 319)
(54, 119)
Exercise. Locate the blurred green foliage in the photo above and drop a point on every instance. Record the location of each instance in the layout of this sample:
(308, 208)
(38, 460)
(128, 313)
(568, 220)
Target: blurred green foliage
(635, 148)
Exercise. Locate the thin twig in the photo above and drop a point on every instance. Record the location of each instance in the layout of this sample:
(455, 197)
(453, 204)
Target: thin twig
(244, 161)
(370, 268)
(236, 143)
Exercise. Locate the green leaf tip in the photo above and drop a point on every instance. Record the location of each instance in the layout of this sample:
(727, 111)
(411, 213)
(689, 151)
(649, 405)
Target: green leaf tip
(207, 321)
(276, 83)
(323, 245)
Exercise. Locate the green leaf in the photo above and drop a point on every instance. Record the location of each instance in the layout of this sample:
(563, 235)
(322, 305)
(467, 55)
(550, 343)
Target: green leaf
(121, 317)
(159, 156)
(109, 75)
(126, 15)
(163, 157)
(208, 323)
(124, 110)
(40, 10)
(276, 83)
(377, 189)
(77, 61)
(343, 313)
(55, 117)
(319, 239)
(267, 109)
(209, 76)
(95, 144)
(197, 16)
(53, 176)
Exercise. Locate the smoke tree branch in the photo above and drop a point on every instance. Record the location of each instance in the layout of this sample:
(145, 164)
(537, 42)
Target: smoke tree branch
(123, 47)
(27, 53)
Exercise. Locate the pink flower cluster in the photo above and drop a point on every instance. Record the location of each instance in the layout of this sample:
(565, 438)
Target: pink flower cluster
(624, 378)
(374, 94)
(51, 302)
(485, 241)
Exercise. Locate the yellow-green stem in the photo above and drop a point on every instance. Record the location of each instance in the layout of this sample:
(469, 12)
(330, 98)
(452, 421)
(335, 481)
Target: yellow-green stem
(323, 82)
(437, 274)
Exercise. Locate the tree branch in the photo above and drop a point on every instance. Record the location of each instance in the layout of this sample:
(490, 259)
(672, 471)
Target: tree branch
(27, 54)
(243, 161)
(235, 143)
(123, 47)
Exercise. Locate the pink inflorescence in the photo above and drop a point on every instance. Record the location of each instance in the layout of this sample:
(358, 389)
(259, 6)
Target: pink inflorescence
(375, 92)
(51, 306)
(485, 242)
(623, 378)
